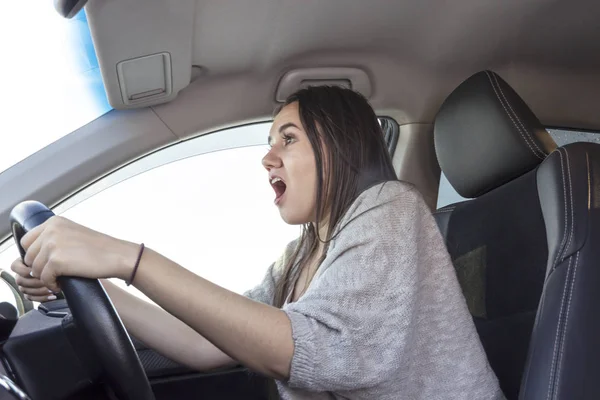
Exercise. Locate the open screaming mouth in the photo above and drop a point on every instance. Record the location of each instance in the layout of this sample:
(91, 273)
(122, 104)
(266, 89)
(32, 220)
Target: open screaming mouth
(279, 186)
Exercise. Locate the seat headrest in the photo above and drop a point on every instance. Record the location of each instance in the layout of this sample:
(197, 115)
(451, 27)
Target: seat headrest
(485, 136)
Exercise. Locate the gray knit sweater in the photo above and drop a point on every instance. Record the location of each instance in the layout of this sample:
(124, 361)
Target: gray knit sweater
(384, 317)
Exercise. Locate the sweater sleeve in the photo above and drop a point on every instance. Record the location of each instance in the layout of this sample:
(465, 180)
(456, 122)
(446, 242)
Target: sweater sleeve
(351, 326)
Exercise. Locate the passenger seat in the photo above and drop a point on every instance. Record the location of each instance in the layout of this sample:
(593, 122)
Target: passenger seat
(527, 236)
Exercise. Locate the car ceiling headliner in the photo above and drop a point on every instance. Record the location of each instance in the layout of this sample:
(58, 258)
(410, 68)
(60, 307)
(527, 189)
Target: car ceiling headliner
(415, 52)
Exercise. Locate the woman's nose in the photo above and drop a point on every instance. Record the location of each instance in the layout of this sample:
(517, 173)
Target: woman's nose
(271, 160)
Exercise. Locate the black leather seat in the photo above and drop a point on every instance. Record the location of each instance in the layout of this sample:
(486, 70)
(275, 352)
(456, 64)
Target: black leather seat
(527, 246)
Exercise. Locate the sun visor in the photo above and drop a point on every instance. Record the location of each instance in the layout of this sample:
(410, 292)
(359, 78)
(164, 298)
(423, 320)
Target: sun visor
(145, 79)
(144, 49)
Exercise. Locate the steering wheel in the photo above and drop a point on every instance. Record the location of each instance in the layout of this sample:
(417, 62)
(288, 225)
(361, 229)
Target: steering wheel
(94, 315)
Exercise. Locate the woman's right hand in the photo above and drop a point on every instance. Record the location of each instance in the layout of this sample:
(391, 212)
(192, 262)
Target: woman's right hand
(31, 287)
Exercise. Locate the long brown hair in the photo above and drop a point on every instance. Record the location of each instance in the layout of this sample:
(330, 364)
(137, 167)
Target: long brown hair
(343, 129)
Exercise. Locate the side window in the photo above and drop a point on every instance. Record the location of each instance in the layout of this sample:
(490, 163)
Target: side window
(206, 204)
(564, 137)
(391, 133)
(447, 195)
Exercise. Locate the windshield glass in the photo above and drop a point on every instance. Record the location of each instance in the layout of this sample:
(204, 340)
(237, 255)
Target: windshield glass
(52, 83)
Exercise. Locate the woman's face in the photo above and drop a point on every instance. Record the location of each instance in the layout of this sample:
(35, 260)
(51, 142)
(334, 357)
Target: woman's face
(292, 168)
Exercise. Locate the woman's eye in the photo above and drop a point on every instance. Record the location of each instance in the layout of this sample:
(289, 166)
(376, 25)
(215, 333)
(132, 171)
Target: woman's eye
(288, 140)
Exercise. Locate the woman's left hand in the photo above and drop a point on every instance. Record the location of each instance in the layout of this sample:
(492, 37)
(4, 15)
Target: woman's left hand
(60, 247)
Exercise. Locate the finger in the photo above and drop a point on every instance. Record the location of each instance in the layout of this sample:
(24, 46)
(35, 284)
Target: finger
(19, 268)
(45, 268)
(48, 276)
(43, 291)
(51, 284)
(30, 237)
(33, 250)
(41, 259)
(40, 299)
(29, 282)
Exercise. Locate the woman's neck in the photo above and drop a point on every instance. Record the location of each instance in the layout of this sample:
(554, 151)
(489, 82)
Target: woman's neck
(323, 229)
(323, 232)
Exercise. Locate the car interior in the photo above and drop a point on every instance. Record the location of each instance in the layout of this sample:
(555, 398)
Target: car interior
(468, 91)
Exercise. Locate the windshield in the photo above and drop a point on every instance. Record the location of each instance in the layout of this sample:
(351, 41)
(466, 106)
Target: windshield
(52, 83)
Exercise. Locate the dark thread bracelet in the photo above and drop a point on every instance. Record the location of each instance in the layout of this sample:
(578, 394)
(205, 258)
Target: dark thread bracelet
(137, 264)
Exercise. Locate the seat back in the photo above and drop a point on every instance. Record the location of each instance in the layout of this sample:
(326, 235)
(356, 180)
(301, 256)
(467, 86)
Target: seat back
(564, 355)
(489, 144)
(498, 246)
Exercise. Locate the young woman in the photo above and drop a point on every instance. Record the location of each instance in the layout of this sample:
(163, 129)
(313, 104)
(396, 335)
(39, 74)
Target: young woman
(364, 305)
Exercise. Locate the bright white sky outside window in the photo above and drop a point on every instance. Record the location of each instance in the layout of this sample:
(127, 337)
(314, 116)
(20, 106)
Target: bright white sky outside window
(212, 217)
(51, 80)
(213, 214)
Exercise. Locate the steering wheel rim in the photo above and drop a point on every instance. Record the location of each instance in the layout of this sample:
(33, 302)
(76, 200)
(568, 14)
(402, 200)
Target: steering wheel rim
(94, 314)
(100, 323)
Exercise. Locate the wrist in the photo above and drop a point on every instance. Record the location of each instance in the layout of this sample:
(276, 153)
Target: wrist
(127, 260)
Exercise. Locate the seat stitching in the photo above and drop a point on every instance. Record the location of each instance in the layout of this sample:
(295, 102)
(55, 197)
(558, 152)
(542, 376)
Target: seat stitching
(562, 344)
(489, 75)
(512, 119)
(562, 243)
(553, 367)
(444, 210)
(517, 117)
(571, 205)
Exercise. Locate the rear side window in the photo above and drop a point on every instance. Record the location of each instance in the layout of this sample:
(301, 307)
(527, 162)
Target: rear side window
(391, 132)
(563, 137)
(447, 194)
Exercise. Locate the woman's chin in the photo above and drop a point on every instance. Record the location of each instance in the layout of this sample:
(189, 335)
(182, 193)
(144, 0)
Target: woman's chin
(291, 218)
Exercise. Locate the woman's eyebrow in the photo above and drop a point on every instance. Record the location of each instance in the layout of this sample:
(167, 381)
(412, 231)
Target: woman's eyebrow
(288, 125)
